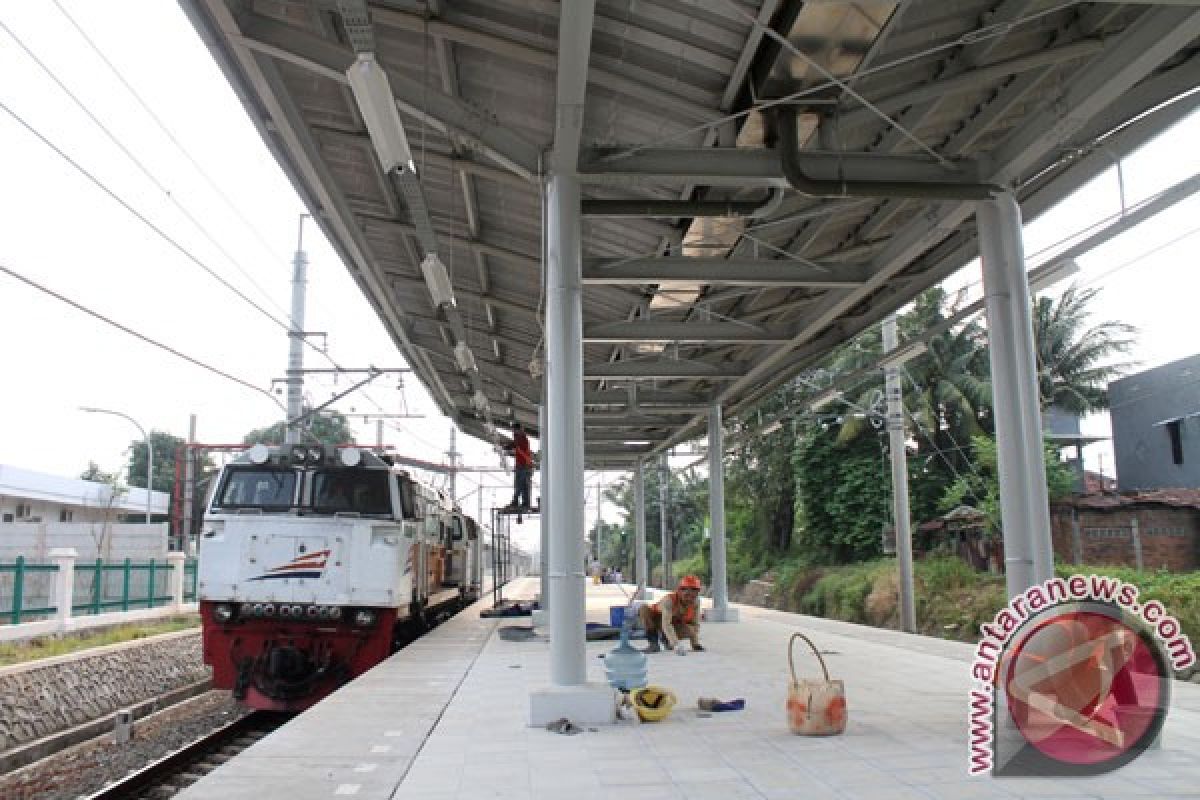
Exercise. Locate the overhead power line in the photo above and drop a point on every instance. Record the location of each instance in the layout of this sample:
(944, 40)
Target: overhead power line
(136, 161)
(166, 237)
(167, 132)
(125, 329)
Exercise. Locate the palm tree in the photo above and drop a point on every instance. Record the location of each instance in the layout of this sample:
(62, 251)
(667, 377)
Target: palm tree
(947, 391)
(1070, 356)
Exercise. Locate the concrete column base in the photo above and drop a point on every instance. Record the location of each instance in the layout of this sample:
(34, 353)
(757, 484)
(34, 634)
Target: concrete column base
(540, 618)
(587, 704)
(721, 615)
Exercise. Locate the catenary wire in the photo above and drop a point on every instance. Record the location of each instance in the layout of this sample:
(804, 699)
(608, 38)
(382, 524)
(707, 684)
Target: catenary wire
(145, 171)
(167, 132)
(137, 162)
(166, 237)
(125, 329)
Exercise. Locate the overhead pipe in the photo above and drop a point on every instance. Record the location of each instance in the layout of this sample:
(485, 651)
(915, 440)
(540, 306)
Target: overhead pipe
(685, 208)
(791, 160)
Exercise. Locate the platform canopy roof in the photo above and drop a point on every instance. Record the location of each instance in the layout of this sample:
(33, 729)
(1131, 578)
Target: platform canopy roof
(762, 179)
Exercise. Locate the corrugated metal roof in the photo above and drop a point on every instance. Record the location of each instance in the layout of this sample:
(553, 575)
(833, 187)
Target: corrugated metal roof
(1017, 93)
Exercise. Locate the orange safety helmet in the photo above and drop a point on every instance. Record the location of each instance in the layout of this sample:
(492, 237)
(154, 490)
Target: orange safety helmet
(689, 582)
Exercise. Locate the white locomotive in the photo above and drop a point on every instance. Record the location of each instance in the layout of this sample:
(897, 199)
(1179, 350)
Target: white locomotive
(318, 562)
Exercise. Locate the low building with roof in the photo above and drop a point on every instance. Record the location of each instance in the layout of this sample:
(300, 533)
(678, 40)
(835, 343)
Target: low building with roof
(1152, 530)
(40, 511)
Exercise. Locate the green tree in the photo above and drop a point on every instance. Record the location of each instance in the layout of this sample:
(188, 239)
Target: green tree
(1074, 361)
(329, 428)
(167, 449)
(980, 487)
(687, 511)
(844, 493)
(97, 475)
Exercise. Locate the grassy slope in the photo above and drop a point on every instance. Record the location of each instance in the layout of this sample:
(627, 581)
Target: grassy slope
(48, 646)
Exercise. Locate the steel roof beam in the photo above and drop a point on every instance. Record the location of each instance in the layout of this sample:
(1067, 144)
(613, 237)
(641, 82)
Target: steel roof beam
(602, 419)
(649, 396)
(691, 332)
(447, 114)
(475, 245)
(756, 167)
(661, 369)
(1142, 47)
(546, 59)
(725, 271)
(971, 80)
(592, 435)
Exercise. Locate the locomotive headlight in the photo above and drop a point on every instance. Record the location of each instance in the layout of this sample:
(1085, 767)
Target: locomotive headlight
(315, 454)
(364, 618)
(223, 612)
(299, 453)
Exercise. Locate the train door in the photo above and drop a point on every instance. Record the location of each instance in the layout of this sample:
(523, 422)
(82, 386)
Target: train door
(456, 553)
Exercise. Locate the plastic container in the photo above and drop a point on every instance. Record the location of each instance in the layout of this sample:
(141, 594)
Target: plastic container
(616, 616)
(625, 667)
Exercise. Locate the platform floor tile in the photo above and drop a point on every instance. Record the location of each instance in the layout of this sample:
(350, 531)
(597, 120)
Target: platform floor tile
(446, 719)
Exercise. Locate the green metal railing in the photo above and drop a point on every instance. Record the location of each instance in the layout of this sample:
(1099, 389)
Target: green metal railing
(20, 571)
(99, 587)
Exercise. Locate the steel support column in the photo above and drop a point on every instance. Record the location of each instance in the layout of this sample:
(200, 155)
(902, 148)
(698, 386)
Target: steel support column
(564, 412)
(544, 519)
(721, 612)
(639, 526)
(664, 496)
(899, 460)
(1024, 507)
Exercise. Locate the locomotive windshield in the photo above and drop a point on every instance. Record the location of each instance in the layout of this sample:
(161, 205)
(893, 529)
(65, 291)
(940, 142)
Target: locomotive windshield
(258, 487)
(360, 491)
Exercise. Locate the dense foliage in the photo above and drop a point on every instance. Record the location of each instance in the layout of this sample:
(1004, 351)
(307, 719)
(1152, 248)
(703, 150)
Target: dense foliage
(324, 428)
(806, 489)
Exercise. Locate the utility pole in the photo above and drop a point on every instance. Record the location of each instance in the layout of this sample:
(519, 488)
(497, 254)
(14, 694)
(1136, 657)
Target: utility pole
(895, 427)
(452, 455)
(599, 519)
(664, 476)
(295, 374)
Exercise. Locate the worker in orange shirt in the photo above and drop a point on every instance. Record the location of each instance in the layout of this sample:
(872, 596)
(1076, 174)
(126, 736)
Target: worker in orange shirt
(674, 617)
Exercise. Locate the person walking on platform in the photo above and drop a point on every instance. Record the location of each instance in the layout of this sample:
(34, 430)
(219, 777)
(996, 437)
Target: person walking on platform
(674, 617)
(523, 470)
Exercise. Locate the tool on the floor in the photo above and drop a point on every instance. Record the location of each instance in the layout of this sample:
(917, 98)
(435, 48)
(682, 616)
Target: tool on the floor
(713, 704)
(815, 707)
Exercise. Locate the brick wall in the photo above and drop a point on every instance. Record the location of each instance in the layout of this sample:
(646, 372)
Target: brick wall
(1170, 536)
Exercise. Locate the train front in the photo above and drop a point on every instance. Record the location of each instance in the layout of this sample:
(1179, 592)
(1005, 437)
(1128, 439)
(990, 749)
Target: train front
(305, 566)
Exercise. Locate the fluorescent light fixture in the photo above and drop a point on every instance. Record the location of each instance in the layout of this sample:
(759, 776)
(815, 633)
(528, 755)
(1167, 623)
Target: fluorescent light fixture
(902, 355)
(438, 281)
(464, 357)
(377, 104)
(1047, 275)
(825, 398)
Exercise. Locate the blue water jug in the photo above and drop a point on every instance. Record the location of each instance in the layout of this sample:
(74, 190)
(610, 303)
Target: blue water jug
(625, 667)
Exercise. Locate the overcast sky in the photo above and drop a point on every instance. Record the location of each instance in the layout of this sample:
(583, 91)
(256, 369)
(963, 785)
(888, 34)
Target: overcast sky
(63, 231)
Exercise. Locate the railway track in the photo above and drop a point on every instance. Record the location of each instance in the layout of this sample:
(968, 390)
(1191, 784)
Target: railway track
(175, 772)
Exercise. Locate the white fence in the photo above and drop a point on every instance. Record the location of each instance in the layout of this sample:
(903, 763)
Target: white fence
(62, 592)
(109, 541)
